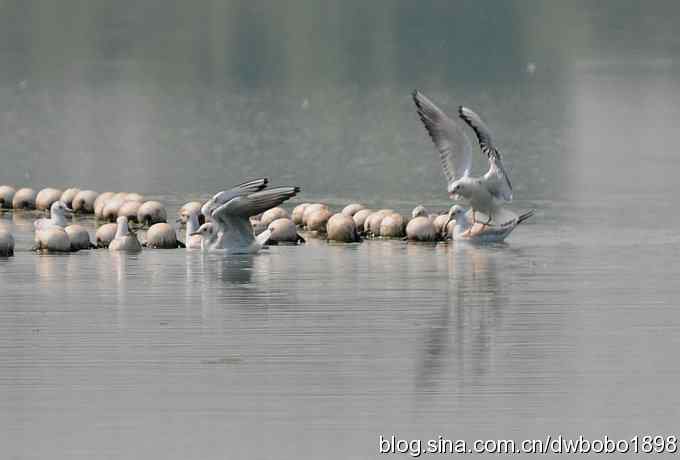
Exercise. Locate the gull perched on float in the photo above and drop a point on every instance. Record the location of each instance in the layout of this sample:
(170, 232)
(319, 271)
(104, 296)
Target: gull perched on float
(465, 229)
(485, 194)
(57, 217)
(228, 228)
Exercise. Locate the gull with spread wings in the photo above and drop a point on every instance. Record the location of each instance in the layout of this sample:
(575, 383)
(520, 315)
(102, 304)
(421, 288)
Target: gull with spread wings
(228, 213)
(485, 194)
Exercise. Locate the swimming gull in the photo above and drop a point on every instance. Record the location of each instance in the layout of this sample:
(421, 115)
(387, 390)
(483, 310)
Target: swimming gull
(229, 212)
(466, 230)
(57, 217)
(124, 240)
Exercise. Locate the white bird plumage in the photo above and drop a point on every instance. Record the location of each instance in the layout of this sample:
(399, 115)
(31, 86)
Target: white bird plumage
(229, 212)
(485, 194)
(57, 217)
(467, 230)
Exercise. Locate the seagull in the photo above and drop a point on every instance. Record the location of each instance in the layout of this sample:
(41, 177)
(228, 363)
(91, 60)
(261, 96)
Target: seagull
(229, 214)
(485, 194)
(57, 217)
(467, 230)
(193, 240)
(125, 240)
(208, 235)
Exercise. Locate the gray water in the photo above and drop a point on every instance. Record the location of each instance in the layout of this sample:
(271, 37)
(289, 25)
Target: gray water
(314, 351)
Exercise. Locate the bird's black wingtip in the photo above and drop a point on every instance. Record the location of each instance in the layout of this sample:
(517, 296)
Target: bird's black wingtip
(526, 215)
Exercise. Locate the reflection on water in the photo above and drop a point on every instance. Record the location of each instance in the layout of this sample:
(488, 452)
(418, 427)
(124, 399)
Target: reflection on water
(321, 340)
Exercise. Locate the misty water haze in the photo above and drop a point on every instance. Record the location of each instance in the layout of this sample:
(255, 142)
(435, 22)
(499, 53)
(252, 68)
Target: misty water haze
(314, 351)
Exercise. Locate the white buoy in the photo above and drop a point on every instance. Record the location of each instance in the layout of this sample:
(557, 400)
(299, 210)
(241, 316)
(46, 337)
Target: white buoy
(341, 228)
(188, 209)
(360, 219)
(79, 237)
(129, 209)
(24, 198)
(53, 239)
(372, 223)
(110, 211)
(316, 220)
(6, 196)
(105, 234)
(151, 212)
(392, 226)
(161, 236)
(298, 213)
(100, 202)
(46, 197)
(270, 215)
(68, 196)
(421, 228)
(83, 202)
(352, 209)
(283, 230)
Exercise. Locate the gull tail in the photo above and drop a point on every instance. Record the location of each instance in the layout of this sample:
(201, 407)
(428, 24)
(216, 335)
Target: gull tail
(525, 215)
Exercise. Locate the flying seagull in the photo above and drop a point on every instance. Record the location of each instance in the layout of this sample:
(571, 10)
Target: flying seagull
(485, 194)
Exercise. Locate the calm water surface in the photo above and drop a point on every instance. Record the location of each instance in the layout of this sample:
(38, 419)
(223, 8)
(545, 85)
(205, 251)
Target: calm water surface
(310, 352)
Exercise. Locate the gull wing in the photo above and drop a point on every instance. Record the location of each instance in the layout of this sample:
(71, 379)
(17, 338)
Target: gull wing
(250, 205)
(497, 177)
(455, 150)
(245, 188)
(220, 198)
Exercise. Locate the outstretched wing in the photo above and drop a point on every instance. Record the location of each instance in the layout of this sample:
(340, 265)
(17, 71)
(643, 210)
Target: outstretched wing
(220, 198)
(250, 205)
(245, 188)
(455, 150)
(497, 176)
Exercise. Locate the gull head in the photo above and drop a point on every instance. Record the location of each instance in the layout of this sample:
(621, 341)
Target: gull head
(206, 231)
(457, 189)
(456, 213)
(419, 211)
(59, 208)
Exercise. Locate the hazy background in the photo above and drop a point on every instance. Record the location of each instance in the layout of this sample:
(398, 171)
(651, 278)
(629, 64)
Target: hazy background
(186, 97)
(313, 351)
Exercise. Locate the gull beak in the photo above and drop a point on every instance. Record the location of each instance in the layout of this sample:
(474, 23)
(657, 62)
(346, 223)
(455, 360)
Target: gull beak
(194, 234)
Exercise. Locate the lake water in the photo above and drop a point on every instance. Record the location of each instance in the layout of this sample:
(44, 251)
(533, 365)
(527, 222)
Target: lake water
(314, 351)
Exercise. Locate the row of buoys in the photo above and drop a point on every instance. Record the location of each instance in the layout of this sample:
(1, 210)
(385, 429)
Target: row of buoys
(355, 221)
(106, 206)
(349, 225)
(283, 230)
(53, 234)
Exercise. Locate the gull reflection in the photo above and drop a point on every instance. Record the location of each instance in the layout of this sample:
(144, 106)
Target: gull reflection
(124, 266)
(469, 314)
